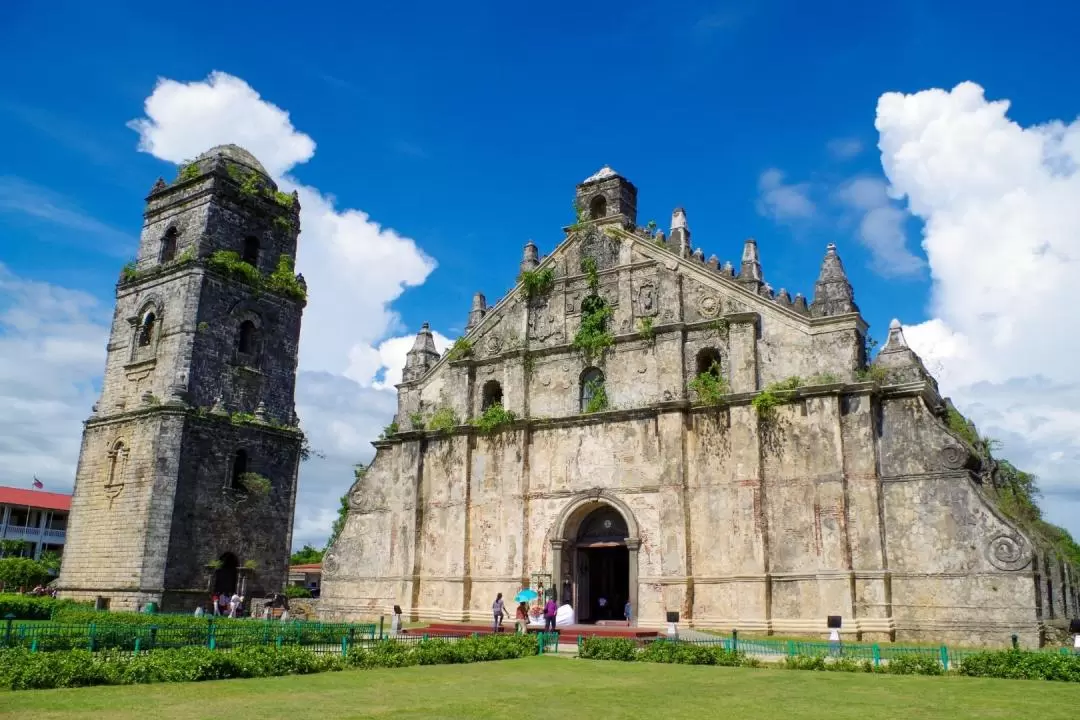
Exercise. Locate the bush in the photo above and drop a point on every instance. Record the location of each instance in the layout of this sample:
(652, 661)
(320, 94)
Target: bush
(16, 572)
(1021, 665)
(595, 648)
(914, 665)
(24, 670)
(28, 607)
(296, 591)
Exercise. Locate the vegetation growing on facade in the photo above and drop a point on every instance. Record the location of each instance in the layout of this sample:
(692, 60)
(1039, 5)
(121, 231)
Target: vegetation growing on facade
(494, 417)
(825, 378)
(255, 484)
(593, 336)
(130, 272)
(188, 171)
(710, 386)
(285, 224)
(597, 394)
(592, 275)
(443, 420)
(872, 373)
(389, 431)
(282, 281)
(228, 262)
(645, 330)
(774, 395)
(535, 283)
(250, 565)
(579, 216)
(416, 421)
(460, 350)
(720, 326)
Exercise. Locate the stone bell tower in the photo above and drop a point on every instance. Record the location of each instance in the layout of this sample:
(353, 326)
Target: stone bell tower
(187, 473)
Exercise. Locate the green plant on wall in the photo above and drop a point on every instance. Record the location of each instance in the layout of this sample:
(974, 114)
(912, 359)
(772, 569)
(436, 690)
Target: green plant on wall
(579, 216)
(872, 373)
(535, 283)
(250, 565)
(255, 484)
(460, 350)
(228, 262)
(416, 421)
(283, 280)
(774, 395)
(443, 420)
(188, 171)
(495, 416)
(389, 431)
(710, 386)
(592, 275)
(130, 272)
(825, 378)
(593, 337)
(645, 330)
(597, 394)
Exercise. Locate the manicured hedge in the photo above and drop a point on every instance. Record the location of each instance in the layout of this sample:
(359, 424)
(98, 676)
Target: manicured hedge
(23, 670)
(29, 607)
(1015, 664)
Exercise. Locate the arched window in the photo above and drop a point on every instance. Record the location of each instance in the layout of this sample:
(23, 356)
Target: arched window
(708, 361)
(146, 330)
(251, 251)
(247, 338)
(168, 245)
(597, 207)
(114, 483)
(492, 394)
(593, 393)
(239, 467)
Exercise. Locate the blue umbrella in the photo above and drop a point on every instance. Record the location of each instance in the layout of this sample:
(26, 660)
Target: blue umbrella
(526, 595)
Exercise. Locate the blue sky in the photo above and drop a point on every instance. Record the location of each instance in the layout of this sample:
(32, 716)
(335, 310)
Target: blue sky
(464, 128)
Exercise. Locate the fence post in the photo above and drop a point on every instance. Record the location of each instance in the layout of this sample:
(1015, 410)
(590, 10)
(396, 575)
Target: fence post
(945, 657)
(153, 636)
(344, 646)
(138, 641)
(877, 655)
(791, 648)
(33, 646)
(211, 636)
(1015, 642)
(10, 617)
(381, 618)
(540, 642)
(734, 640)
(93, 637)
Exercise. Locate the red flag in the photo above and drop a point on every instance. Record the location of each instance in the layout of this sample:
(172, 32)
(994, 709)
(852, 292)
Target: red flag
(37, 483)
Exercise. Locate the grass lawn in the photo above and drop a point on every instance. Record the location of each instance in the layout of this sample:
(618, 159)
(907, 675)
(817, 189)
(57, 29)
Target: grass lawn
(562, 687)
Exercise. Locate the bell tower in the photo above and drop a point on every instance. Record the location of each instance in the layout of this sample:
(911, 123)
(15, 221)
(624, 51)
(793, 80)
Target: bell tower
(607, 197)
(187, 473)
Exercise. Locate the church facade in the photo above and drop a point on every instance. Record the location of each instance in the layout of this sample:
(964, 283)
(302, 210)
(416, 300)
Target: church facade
(636, 423)
(187, 473)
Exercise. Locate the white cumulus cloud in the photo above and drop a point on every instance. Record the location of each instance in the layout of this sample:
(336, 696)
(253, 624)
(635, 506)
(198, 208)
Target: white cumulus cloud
(881, 226)
(1002, 239)
(782, 201)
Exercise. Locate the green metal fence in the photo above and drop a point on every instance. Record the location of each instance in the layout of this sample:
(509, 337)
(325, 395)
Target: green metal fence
(875, 653)
(46, 637)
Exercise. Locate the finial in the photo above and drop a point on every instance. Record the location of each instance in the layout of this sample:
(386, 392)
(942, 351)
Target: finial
(678, 218)
(159, 186)
(713, 262)
(477, 311)
(784, 297)
(767, 290)
(699, 255)
(219, 407)
(260, 412)
(896, 340)
(800, 304)
(832, 291)
(660, 237)
(750, 273)
(422, 356)
(729, 269)
(530, 258)
(680, 232)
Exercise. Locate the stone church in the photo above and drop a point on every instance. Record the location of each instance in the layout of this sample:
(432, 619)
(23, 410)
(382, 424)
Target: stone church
(187, 474)
(636, 422)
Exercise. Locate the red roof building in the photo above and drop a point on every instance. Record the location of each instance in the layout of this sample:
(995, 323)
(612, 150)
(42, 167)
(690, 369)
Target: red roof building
(37, 518)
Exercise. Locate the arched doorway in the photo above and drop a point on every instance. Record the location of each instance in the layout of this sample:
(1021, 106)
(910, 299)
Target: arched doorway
(595, 553)
(225, 577)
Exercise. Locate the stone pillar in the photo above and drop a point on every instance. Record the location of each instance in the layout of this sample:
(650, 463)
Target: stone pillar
(557, 546)
(632, 546)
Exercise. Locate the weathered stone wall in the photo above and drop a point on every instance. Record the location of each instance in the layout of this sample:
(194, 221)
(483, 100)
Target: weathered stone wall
(851, 498)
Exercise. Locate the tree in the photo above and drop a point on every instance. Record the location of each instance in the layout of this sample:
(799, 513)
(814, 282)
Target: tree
(50, 560)
(11, 548)
(20, 572)
(305, 556)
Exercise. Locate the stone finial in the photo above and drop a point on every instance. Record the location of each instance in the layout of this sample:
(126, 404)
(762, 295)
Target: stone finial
(477, 312)
(750, 272)
(680, 232)
(729, 269)
(713, 262)
(219, 407)
(766, 290)
(833, 294)
(301, 281)
(260, 412)
(660, 238)
(295, 202)
(699, 255)
(422, 356)
(896, 336)
(530, 258)
(800, 304)
(899, 361)
(159, 186)
(784, 297)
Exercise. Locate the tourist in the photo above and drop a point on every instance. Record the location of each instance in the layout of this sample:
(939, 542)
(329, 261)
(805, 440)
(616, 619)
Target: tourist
(198, 611)
(521, 619)
(395, 621)
(626, 613)
(602, 602)
(550, 612)
(234, 605)
(497, 608)
(223, 604)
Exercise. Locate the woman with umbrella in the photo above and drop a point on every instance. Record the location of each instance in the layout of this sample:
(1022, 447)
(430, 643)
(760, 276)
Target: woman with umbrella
(521, 618)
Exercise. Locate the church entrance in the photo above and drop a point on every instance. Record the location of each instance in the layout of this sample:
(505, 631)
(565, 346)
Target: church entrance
(601, 567)
(225, 576)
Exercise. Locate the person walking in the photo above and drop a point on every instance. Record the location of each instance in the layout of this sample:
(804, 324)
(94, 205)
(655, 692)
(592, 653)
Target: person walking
(627, 614)
(497, 609)
(550, 611)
